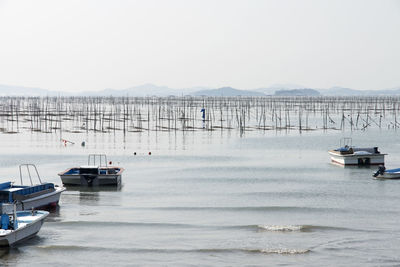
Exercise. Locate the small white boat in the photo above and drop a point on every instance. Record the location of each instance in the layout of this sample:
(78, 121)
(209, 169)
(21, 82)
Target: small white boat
(347, 155)
(34, 196)
(96, 173)
(382, 173)
(19, 225)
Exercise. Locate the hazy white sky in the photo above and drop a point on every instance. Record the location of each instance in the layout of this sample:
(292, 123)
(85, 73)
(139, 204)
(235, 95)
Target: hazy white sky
(76, 45)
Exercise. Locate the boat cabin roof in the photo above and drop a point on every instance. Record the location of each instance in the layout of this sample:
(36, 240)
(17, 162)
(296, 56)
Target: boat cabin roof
(89, 167)
(97, 167)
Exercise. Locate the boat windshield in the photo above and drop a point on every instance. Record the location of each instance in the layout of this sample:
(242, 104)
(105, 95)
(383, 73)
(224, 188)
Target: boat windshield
(97, 160)
(346, 142)
(29, 168)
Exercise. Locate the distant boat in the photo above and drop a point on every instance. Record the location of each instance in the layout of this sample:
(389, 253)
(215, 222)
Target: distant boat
(347, 155)
(19, 225)
(382, 173)
(96, 173)
(35, 196)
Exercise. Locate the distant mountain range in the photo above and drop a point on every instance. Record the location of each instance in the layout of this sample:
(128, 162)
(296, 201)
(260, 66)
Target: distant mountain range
(154, 90)
(227, 91)
(297, 92)
(141, 90)
(9, 90)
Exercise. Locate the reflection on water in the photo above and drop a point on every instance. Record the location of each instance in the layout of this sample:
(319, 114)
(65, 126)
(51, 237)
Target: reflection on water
(86, 197)
(91, 194)
(35, 240)
(354, 166)
(54, 213)
(5, 251)
(94, 195)
(93, 188)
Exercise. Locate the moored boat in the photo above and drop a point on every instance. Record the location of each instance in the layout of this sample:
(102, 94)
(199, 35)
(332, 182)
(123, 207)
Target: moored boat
(347, 155)
(17, 226)
(96, 173)
(34, 196)
(382, 173)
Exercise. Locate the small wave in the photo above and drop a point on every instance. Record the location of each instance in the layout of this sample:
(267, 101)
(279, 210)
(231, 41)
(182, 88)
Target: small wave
(283, 251)
(122, 224)
(281, 228)
(261, 227)
(245, 250)
(247, 209)
(62, 247)
(301, 228)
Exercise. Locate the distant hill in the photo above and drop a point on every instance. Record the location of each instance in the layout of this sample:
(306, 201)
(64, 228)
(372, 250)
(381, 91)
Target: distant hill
(277, 87)
(227, 91)
(340, 91)
(163, 91)
(298, 92)
(393, 91)
(10, 90)
(142, 91)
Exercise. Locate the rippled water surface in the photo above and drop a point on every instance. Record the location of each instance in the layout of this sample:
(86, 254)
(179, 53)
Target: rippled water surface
(214, 199)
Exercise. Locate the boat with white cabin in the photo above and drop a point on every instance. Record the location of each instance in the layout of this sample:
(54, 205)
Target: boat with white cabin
(348, 155)
(17, 226)
(96, 173)
(36, 195)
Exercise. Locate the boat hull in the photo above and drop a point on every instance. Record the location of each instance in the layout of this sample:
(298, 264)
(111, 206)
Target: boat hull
(97, 180)
(49, 199)
(357, 160)
(388, 175)
(11, 237)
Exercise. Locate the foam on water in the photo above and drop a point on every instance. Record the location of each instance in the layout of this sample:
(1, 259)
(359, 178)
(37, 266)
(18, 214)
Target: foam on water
(285, 251)
(305, 228)
(281, 228)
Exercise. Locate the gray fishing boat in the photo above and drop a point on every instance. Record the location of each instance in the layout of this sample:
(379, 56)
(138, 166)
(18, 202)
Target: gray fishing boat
(96, 173)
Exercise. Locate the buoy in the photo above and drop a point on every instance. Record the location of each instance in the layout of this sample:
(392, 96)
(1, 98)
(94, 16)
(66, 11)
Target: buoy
(65, 141)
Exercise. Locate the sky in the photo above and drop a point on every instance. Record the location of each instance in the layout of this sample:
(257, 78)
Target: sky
(76, 45)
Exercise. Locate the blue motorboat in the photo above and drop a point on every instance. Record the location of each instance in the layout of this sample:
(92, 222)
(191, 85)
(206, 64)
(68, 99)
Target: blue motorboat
(34, 196)
(383, 173)
(19, 225)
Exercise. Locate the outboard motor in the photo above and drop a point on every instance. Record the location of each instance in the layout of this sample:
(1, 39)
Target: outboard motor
(89, 179)
(381, 170)
(89, 175)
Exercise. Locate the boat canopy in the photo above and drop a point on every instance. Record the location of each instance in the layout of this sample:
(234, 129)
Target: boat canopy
(393, 170)
(12, 193)
(343, 149)
(5, 185)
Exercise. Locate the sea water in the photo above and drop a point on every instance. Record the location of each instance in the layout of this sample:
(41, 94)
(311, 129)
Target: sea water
(215, 198)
